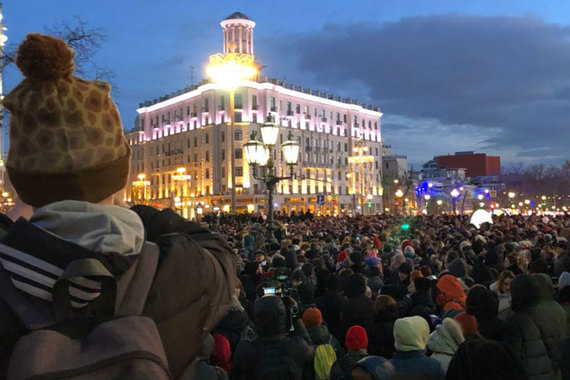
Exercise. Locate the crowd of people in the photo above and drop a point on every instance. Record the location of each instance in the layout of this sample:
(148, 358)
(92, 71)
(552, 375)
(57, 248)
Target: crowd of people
(381, 297)
(92, 289)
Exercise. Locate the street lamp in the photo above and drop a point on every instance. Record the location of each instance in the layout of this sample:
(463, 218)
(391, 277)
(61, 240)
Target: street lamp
(229, 70)
(139, 187)
(511, 195)
(260, 154)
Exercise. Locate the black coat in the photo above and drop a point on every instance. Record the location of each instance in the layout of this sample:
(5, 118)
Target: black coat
(358, 311)
(270, 324)
(330, 305)
(381, 338)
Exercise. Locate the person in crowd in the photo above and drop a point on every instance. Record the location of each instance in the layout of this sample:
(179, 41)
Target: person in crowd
(411, 335)
(236, 324)
(273, 354)
(305, 291)
(330, 304)
(450, 297)
(203, 369)
(319, 333)
(221, 355)
(373, 368)
(359, 309)
(535, 329)
(356, 342)
(502, 287)
(513, 264)
(71, 168)
(485, 359)
(444, 341)
(484, 305)
(381, 339)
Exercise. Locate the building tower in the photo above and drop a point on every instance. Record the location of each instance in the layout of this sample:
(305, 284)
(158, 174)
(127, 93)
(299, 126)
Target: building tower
(238, 34)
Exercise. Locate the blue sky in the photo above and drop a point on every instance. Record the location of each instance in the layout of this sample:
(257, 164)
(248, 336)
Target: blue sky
(490, 76)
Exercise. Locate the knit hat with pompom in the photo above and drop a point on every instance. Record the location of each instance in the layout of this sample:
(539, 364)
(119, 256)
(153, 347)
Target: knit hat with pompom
(66, 136)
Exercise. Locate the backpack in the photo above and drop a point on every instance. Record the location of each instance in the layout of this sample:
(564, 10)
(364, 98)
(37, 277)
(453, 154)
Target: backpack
(113, 342)
(324, 360)
(273, 361)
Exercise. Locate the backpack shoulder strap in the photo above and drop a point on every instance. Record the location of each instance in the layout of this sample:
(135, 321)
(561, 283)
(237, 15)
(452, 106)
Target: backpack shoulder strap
(27, 313)
(134, 294)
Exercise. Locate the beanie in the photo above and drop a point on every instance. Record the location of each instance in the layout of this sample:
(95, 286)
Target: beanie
(221, 356)
(468, 323)
(422, 284)
(415, 274)
(411, 333)
(66, 137)
(356, 338)
(405, 268)
(312, 317)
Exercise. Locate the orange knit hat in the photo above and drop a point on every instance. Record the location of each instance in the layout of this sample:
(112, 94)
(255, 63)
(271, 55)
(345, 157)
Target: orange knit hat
(312, 317)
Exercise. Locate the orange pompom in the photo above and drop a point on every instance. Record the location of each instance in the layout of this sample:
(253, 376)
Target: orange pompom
(42, 57)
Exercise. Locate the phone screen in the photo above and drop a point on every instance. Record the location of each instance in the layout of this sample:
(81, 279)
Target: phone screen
(268, 291)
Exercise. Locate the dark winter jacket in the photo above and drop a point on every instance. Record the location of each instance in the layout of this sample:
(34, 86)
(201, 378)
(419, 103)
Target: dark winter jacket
(422, 305)
(359, 310)
(330, 305)
(272, 347)
(321, 335)
(234, 326)
(203, 370)
(414, 363)
(381, 337)
(484, 305)
(342, 368)
(535, 330)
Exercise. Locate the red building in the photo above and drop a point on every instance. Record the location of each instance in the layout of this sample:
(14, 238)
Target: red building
(476, 164)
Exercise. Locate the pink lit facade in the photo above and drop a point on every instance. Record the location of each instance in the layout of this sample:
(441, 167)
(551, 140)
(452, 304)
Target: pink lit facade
(191, 131)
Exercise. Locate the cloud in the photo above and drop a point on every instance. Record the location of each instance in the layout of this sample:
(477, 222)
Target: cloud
(507, 78)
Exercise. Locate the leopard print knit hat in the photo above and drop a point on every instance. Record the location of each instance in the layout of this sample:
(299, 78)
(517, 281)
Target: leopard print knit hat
(66, 136)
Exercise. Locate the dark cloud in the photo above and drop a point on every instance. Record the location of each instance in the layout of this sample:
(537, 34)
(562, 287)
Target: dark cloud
(507, 77)
(395, 127)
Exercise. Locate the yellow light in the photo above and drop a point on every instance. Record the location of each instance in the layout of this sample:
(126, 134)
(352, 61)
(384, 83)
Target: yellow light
(369, 196)
(439, 202)
(396, 181)
(511, 194)
(520, 204)
(543, 197)
(226, 208)
(181, 170)
(141, 176)
(5, 194)
(481, 204)
(427, 197)
(406, 200)
(480, 196)
(498, 205)
(399, 193)
(430, 185)
(527, 201)
(177, 199)
(387, 209)
(231, 68)
(250, 207)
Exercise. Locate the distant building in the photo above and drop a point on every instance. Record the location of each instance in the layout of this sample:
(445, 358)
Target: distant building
(182, 145)
(475, 164)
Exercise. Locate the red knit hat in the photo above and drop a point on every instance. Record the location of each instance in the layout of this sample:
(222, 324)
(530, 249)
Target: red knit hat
(221, 356)
(356, 338)
(312, 317)
(468, 323)
(342, 256)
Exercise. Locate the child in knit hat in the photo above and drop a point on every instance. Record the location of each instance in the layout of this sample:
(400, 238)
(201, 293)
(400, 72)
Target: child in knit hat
(69, 159)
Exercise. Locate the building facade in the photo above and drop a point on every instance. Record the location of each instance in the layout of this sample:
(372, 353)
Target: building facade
(182, 145)
(475, 164)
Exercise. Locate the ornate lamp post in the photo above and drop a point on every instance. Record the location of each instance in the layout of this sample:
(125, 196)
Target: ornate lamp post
(229, 70)
(259, 154)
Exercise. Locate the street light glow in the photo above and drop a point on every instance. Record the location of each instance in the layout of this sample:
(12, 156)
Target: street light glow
(454, 193)
(230, 69)
(399, 193)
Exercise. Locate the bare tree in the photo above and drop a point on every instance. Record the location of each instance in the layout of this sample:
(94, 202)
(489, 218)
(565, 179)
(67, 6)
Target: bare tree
(85, 40)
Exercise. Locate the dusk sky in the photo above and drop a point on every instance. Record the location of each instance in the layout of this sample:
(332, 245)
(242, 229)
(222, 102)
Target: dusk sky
(490, 76)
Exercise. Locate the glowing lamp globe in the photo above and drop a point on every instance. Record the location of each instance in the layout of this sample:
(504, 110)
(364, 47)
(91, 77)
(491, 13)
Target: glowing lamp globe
(254, 151)
(454, 193)
(481, 216)
(399, 193)
(230, 69)
(269, 132)
(290, 150)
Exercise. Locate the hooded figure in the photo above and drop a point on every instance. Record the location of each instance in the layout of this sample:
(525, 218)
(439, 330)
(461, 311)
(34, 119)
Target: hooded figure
(331, 304)
(445, 341)
(451, 298)
(411, 335)
(272, 350)
(535, 330)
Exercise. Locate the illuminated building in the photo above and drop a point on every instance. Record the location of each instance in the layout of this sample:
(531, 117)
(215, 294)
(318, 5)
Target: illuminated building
(191, 130)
